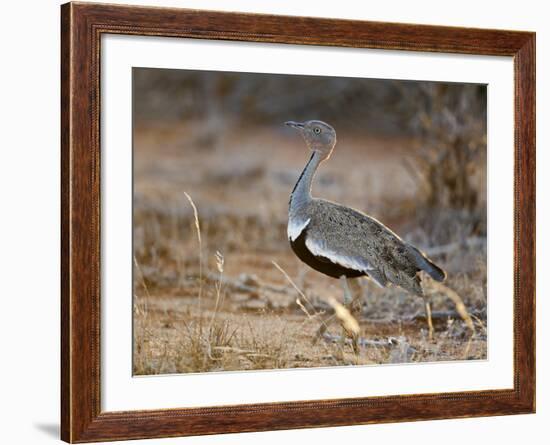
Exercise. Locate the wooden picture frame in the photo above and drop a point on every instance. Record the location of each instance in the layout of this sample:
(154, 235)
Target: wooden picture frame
(82, 25)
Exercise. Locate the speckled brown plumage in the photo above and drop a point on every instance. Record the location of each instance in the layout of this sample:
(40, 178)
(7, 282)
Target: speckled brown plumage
(389, 259)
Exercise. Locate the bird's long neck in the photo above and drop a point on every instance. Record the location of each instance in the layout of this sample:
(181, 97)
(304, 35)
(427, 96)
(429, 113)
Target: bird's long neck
(302, 190)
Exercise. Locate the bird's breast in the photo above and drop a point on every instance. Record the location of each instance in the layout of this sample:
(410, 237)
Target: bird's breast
(296, 226)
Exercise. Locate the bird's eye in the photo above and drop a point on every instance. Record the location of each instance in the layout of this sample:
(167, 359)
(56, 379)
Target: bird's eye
(317, 130)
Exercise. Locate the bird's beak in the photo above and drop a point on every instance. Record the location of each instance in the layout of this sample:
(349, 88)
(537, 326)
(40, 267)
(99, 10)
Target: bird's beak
(293, 124)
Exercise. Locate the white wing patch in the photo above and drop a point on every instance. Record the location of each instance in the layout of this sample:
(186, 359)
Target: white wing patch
(295, 227)
(348, 261)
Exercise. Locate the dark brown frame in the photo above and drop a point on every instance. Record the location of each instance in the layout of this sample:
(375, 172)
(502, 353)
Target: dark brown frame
(82, 25)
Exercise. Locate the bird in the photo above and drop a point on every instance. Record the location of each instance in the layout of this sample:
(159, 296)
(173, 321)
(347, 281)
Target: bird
(345, 243)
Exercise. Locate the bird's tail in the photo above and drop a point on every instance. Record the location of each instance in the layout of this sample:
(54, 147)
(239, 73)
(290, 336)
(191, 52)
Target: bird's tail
(427, 265)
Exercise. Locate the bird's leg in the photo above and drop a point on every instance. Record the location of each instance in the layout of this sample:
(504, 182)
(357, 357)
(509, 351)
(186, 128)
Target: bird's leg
(356, 304)
(347, 294)
(348, 304)
(355, 308)
(428, 307)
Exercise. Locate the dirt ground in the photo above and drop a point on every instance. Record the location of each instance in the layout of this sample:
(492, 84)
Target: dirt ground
(239, 299)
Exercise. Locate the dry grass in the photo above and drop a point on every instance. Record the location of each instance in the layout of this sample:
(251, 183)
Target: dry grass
(218, 289)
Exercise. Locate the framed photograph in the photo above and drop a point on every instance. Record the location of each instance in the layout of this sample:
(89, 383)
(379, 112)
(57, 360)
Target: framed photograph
(274, 222)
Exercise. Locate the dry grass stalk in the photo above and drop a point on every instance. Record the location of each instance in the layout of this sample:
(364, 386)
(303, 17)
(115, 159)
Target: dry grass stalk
(457, 300)
(198, 231)
(298, 302)
(142, 278)
(347, 320)
(218, 285)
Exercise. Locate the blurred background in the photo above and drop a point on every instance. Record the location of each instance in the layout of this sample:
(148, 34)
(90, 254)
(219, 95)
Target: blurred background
(411, 154)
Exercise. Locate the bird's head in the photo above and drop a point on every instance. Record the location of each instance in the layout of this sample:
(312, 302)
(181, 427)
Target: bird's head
(319, 136)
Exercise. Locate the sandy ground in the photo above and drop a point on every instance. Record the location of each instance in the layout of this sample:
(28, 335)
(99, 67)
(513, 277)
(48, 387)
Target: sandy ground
(226, 303)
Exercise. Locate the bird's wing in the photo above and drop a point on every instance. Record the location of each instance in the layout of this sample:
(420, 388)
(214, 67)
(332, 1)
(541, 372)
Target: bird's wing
(320, 248)
(354, 240)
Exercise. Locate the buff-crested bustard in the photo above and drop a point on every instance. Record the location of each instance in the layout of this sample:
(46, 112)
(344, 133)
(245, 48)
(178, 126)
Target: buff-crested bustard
(342, 242)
